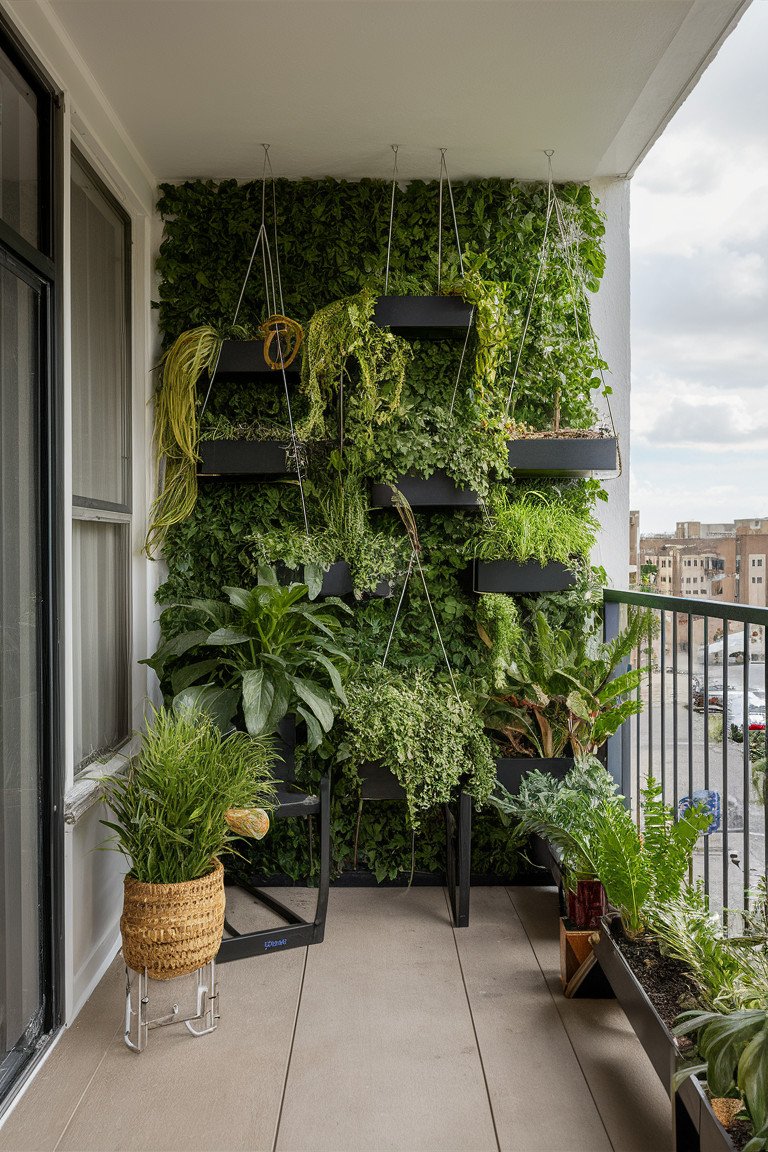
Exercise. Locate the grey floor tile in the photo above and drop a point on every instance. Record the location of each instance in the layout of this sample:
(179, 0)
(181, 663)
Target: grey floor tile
(385, 1055)
(632, 1102)
(40, 1117)
(541, 1100)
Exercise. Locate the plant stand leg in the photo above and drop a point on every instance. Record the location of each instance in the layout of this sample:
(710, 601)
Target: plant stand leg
(137, 1014)
(207, 1001)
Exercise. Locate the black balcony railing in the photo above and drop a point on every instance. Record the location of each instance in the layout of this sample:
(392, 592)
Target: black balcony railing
(702, 729)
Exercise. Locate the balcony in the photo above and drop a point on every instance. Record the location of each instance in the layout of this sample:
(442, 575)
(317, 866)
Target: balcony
(397, 1032)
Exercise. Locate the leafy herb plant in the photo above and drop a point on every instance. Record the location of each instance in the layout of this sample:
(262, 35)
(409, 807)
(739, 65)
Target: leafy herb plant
(259, 655)
(169, 809)
(538, 523)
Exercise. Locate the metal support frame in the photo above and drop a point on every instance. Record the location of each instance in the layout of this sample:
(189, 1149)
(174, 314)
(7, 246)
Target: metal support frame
(458, 853)
(297, 932)
(137, 1019)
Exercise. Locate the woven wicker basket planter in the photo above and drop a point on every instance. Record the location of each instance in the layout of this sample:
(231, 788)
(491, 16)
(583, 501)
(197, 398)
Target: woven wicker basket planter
(172, 929)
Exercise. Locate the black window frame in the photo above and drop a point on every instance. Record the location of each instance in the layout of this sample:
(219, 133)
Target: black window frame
(44, 263)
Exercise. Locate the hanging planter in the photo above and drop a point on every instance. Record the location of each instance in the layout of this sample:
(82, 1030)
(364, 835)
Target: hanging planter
(511, 769)
(243, 458)
(424, 317)
(435, 491)
(563, 455)
(516, 579)
(242, 361)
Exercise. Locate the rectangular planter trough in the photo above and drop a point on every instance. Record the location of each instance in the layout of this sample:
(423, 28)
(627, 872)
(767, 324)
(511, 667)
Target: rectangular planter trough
(697, 1128)
(659, 1043)
(337, 580)
(511, 769)
(243, 458)
(436, 491)
(563, 456)
(519, 579)
(379, 783)
(424, 317)
(243, 360)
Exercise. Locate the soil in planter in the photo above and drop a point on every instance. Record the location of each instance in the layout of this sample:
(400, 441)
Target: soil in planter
(665, 980)
(740, 1132)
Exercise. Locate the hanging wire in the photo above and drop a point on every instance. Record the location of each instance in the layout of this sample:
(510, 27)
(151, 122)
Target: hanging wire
(395, 149)
(444, 176)
(542, 259)
(262, 240)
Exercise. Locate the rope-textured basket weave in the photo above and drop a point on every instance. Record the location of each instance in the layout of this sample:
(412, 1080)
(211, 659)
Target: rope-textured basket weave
(172, 929)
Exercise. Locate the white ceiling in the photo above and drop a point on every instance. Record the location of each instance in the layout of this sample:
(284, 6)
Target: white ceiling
(330, 84)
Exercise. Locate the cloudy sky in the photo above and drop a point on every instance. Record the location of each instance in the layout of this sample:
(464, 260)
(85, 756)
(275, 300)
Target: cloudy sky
(699, 238)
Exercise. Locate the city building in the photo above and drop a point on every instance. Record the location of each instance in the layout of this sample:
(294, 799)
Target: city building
(714, 561)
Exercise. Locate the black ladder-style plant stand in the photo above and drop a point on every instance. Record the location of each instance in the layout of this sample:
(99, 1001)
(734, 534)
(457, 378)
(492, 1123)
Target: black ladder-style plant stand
(297, 932)
(378, 783)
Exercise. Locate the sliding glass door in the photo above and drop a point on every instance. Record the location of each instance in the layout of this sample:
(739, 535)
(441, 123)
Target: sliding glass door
(29, 860)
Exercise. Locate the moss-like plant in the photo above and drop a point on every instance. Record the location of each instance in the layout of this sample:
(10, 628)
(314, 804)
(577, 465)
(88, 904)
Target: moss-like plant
(431, 739)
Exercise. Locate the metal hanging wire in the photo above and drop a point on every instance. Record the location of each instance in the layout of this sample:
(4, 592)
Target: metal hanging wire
(395, 149)
(273, 290)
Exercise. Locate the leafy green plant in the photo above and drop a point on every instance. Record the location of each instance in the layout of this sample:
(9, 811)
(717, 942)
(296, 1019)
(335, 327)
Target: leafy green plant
(734, 1050)
(344, 331)
(558, 692)
(428, 737)
(340, 529)
(263, 653)
(586, 817)
(168, 811)
(527, 523)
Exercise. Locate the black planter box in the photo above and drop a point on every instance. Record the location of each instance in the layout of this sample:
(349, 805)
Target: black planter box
(436, 491)
(697, 1129)
(243, 360)
(563, 456)
(659, 1043)
(519, 579)
(511, 769)
(379, 783)
(243, 458)
(424, 317)
(337, 580)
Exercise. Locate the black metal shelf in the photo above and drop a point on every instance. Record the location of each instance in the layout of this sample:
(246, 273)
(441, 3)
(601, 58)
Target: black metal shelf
(563, 456)
(241, 459)
(243, 360)
(436, 491)
(516, 579)
(424, 317)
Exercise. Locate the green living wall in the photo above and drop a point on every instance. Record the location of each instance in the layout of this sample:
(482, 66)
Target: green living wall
(332, 243)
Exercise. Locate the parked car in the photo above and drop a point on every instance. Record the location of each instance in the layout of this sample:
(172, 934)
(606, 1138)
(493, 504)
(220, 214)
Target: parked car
(755, 713)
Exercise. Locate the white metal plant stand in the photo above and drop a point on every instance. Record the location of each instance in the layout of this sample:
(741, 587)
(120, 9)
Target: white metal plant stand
(137, 1022)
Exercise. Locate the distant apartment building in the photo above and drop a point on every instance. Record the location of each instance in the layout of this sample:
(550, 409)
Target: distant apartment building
(715, 561)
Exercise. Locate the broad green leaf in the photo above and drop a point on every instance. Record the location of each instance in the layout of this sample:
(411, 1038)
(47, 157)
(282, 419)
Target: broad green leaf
(313, 578)
(225, 636)
(316, 698)
(188, 673)
(314, 731)
(333, 672)
(258, 694)
(172, 649)
(218, 703)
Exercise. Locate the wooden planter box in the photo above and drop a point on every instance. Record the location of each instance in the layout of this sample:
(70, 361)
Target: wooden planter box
(436, 491)
(659, 1043)
(697, 1128)
(563, 456)
(424, 317)
(243, 360)
(520, 579)
(243, 458)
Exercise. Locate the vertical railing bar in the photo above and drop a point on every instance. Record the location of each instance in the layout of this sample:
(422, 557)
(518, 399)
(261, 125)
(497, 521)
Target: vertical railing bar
(724, 792)
(663, 703)
(765, 754)
(636, 781)
(706, 743)
(690, 720)
(747, 773)
(649, 770)
(675, 788)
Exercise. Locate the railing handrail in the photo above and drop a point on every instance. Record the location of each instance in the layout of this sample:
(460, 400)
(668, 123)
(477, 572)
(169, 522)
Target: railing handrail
(687, 605)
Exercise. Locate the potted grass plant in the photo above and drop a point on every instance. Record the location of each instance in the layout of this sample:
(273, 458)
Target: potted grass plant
(182, 804)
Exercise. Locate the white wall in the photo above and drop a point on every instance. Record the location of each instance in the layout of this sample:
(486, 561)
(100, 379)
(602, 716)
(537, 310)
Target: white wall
(610, 316)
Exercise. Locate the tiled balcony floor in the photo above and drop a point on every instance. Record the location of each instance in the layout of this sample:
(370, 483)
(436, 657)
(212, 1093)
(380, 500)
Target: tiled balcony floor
(397, 1033)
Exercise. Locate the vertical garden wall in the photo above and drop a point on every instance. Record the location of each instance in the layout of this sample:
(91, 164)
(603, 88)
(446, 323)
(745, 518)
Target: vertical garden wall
(528, 368)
